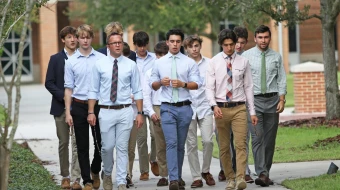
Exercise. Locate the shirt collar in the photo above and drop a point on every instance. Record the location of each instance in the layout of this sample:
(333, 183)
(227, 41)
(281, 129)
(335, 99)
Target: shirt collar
(147, 55)
(178, 55)
(240, 53)
(68, 54)
(232, 56)
(257, 50)
(112, 59)
(78, 54)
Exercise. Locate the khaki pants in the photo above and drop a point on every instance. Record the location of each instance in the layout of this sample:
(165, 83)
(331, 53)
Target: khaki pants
(63, 136)
(160, 145)
(234, 118)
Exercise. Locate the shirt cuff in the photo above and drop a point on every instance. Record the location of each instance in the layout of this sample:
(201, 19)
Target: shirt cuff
(92, 96)
(138, 96)
(151, 113)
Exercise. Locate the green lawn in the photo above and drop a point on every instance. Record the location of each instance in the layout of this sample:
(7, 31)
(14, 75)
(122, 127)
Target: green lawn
(26, 172)
(297, 144)
(290, 90)
(314, 183)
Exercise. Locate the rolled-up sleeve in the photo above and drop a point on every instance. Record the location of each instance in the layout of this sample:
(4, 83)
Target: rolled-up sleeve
(147, 95)
(136, 86)
(69, 75)
(94, 83)
(210, 84)
(248, 88)
(154, 75)
(194, 75)
(281, 79)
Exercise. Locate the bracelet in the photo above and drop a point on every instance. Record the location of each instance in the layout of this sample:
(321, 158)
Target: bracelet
(90, 113)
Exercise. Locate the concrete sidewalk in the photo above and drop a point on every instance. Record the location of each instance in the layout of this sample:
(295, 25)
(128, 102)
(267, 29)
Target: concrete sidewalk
(37, 126)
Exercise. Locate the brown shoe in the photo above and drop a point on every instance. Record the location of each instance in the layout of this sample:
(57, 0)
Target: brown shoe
(270, 182)
(197, 183)
(76, 186)
(88, 186)
(248, 179)
(181, 184)
(221, 176)
(262, 180)
(154, 168)
(174, 185)
(96, 180)
(209, 180)
(65, 183)
(162, 182)
(144, 176)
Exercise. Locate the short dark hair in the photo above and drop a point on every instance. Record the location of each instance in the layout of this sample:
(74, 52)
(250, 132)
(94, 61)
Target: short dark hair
(126, 49)
(226, 34)
(241, 32)
(67, 30)
(262, 29)
(161, 48)
(109, 36)
(174, 32)
(188, 41)
(140, 38)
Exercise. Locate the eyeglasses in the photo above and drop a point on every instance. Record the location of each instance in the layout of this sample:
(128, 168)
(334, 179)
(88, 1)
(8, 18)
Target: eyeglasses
(115, 43)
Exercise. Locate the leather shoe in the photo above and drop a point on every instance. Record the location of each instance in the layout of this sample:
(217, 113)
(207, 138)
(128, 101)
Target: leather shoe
(209, 180)
(162, 182)
(173, 185)
(76, 186)
(262, 180)
(221, 176)
(128, 181)
(270, 182)
(197, 183)
(181, 184)
(248, 179)
(144, 176)
(65, 183)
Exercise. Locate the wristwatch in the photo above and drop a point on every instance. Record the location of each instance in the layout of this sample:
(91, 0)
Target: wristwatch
(140, 112)
(185, 85)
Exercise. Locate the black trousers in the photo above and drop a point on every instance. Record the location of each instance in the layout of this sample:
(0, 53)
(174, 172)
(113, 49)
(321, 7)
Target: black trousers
(81, 130)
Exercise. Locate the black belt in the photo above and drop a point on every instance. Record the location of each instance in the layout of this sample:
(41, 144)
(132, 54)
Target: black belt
(115, 107)
(83, 101)
(267, 95)
(178, 104)
(229, 104)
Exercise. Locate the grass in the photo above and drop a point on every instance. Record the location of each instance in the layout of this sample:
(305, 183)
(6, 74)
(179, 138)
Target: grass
(297, 144)
(290, 90)
(27, 173)
(314, 183)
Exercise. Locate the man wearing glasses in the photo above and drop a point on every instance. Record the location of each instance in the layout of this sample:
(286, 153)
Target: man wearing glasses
(113, 79)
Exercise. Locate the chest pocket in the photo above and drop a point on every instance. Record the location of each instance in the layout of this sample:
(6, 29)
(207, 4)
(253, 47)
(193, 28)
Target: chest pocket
(238, 74)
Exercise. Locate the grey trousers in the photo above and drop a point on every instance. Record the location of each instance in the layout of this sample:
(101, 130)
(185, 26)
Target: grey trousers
(264, 133)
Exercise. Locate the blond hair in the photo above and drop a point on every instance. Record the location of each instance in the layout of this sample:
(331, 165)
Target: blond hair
(84, 29)
(114, 27)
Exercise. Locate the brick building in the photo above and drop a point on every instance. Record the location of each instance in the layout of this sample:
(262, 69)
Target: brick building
(300, 44)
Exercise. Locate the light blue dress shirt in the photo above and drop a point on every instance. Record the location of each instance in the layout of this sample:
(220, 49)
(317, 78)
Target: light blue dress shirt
(275, 72)
(187, 71)
(200, 104)
(128, 81)
(78, 68)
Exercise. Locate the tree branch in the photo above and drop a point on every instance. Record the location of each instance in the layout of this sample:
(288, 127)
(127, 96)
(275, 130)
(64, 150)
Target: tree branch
(3, 78)
(10, 29)
(335, 10)
(313, 16)
(3, 15)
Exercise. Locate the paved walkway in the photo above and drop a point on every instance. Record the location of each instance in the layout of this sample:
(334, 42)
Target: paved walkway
(38, 128)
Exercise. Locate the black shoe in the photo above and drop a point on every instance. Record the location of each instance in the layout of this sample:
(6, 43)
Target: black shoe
(173, 185)
(129, 182)
(162, 182)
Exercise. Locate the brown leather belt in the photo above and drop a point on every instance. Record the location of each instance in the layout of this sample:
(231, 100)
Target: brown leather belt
(229, 104)
(178, 104)
(267, 95)
(83, 101)
(115, 107)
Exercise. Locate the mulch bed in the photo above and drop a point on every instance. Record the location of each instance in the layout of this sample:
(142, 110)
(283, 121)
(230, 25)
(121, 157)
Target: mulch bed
(313, 122)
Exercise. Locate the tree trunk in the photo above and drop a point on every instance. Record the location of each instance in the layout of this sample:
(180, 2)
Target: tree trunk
(4, 167)
(328, 44)
(215, 30)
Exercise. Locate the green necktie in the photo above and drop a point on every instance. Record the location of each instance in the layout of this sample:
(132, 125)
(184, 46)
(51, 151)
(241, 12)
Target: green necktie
(263, 74)
(174, 77)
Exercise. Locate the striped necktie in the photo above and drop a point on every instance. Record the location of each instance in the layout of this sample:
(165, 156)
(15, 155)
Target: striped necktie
(229, 80)
(113, 94)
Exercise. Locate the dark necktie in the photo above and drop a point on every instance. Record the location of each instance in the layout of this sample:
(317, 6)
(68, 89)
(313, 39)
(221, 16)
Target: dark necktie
(113, 95)
(263, 73)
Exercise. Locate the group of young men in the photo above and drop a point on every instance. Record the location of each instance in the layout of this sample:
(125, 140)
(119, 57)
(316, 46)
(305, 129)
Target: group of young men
(116, 91)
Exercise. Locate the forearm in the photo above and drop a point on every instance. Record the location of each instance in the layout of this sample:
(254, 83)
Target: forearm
(139, 104)
(91, 104)
(156, 85)
(192, 86)
(68, 100)
(282, 97)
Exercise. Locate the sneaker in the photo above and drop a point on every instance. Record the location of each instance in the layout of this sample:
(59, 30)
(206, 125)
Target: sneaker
(76, 185)
(107, 182)
(197, 183)
(209, 180)
(129, 182)
(173, 185)
(248, 179)
(144, 176)
(122, 187)
(241, 184)
(162, 182)
(230, 185)
(96, 180)
(88, 186)
(221, 176)
(65, 183)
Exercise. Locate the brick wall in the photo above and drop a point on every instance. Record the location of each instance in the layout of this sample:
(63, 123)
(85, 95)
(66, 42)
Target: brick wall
(309, 92)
